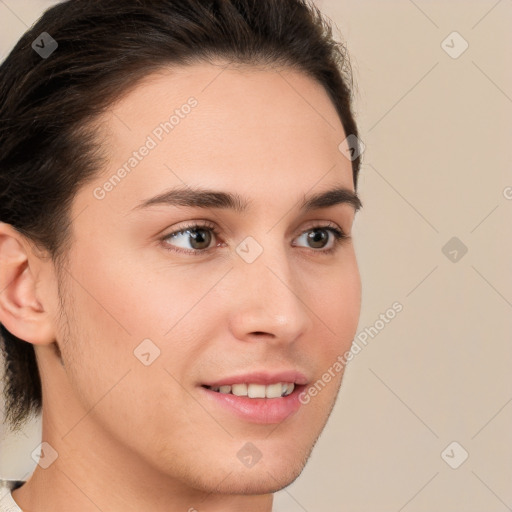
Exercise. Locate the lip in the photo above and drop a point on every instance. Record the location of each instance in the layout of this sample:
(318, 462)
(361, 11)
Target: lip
(256, 410)
(262, 377)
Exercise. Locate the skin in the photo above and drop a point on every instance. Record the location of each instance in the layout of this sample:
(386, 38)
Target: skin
(131, 437)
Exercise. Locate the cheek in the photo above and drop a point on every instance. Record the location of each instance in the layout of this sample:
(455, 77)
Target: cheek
(106, 368)
(122, 310)
(105, 322)
(336, 302)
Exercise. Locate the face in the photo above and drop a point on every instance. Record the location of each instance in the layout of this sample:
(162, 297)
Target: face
(189, 291)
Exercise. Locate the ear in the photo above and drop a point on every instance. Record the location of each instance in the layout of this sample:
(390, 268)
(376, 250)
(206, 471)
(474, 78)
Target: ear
(21, 311)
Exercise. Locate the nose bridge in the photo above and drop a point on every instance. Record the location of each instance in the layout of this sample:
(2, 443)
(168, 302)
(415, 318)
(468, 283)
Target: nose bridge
(268, 294)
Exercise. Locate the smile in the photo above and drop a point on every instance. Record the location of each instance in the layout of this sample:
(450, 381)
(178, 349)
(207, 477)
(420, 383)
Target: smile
(277, 390)
(256, 403)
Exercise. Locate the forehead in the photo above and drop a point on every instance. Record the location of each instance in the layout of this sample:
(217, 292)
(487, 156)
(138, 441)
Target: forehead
(257, 130)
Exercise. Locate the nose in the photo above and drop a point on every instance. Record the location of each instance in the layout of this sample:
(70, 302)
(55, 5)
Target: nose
(269, 299)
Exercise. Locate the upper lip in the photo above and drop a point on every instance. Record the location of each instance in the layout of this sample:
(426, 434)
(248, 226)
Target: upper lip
(261, 377)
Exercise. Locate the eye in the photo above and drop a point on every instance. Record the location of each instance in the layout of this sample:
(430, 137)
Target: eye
(318, 237)
(196, 238)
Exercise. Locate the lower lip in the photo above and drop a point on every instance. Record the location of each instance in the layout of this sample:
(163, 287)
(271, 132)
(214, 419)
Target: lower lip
(258, 410)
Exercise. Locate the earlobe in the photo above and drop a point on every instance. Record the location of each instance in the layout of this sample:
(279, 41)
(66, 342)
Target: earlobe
(21, 313)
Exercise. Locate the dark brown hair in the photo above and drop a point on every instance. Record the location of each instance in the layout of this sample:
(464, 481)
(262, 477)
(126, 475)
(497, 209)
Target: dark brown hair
(48, 105)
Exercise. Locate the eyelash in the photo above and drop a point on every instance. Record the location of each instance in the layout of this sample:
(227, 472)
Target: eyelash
(339, 238)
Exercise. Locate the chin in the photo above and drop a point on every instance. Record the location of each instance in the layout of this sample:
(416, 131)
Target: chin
(272, 473)
(258, 480)
(269, 475)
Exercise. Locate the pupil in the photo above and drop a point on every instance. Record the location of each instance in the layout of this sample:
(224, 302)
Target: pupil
(198, 237)
(316, 236)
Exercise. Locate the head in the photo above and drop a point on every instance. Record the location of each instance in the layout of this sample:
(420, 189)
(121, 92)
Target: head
(165, 230)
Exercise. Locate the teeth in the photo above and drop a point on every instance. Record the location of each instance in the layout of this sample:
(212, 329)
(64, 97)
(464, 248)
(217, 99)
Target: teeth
(276, 390)
(239, 389)
(256, 390)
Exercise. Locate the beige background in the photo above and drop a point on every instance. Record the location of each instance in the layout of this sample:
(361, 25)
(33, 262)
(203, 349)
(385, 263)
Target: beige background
(437, 165)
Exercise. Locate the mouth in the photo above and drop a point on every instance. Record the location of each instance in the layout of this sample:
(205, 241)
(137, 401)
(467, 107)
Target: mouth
(264, 402)
(252, 390)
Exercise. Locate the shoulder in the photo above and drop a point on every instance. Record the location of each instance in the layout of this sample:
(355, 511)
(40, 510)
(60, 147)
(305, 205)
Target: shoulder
(11, 485)
(7, 503)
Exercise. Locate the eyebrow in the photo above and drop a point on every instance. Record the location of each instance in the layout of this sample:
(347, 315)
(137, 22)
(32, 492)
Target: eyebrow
(206, 198)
